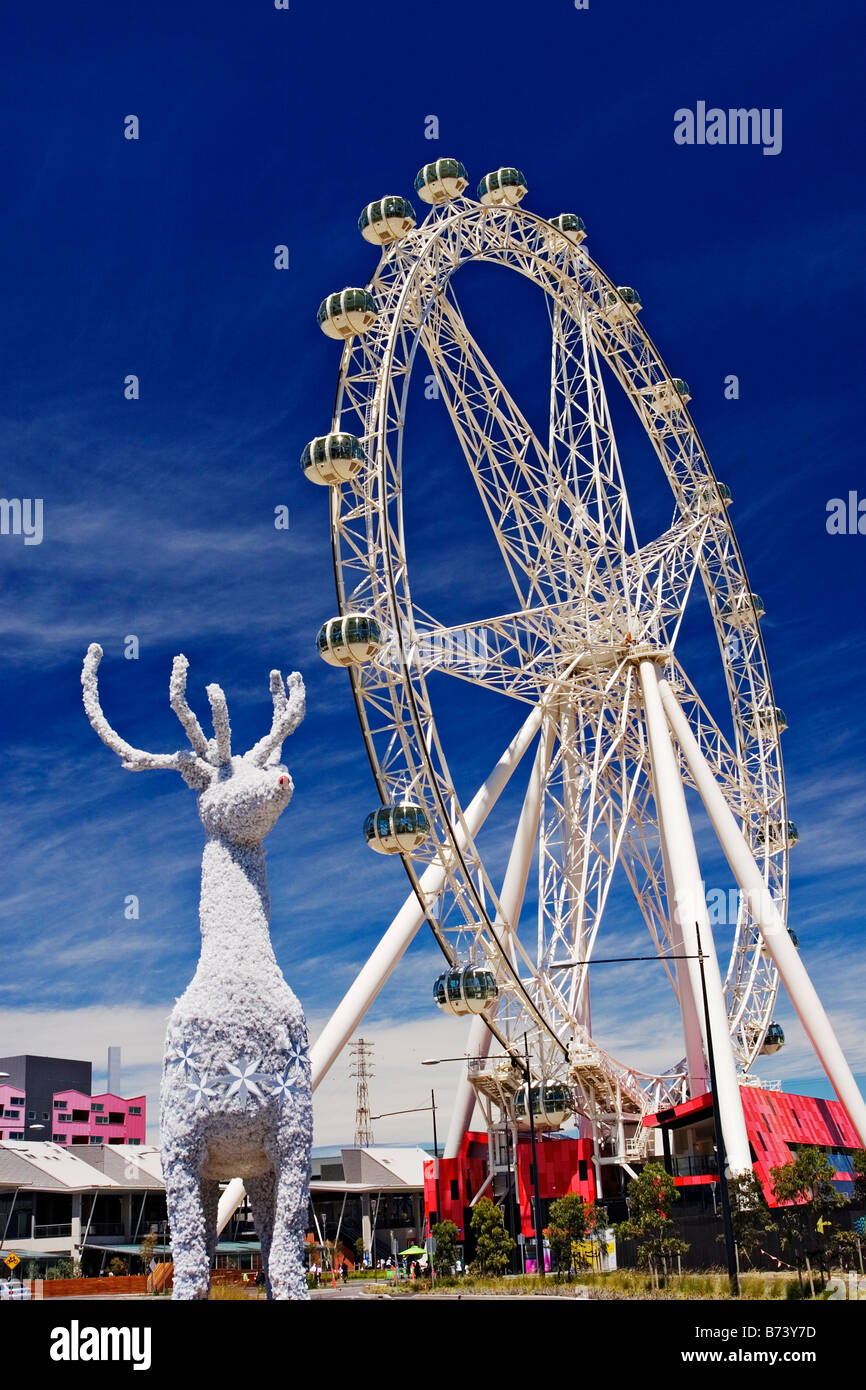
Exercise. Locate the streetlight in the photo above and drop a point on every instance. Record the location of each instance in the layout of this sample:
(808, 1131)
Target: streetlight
(721, 1157)
(536, 1197)
(416, 1109)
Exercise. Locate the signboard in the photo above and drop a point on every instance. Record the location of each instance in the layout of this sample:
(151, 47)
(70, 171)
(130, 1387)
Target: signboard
(12, 1260)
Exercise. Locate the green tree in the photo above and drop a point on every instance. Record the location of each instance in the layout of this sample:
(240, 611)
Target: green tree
(359, 1252)
(805, 1188)
(751, 1217)
(147, 1249)
(445, 1256)
(493, 1244)
(651, 1196)
(571, 1220)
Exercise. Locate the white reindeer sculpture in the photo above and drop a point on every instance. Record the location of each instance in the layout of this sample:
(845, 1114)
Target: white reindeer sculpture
(236, 1097)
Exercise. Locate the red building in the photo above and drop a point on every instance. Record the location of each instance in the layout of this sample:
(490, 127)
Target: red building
(778, 1125)
(564, 1165)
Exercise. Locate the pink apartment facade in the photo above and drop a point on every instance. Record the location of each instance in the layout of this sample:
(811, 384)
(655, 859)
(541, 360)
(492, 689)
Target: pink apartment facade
(104, 1119)
(75, 1118)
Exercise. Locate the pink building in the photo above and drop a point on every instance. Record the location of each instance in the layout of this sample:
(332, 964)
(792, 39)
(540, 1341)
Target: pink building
(13, 1105)
(104, 1119)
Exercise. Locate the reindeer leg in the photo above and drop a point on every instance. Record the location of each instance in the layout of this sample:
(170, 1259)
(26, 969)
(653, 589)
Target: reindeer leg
(263, 1193)
(186, 1214)
(210, 1196)
(286, 1272)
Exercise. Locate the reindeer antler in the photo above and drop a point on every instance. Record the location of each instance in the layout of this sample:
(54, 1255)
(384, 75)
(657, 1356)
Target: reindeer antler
(222, 752)
(288, 714)
(192, 767)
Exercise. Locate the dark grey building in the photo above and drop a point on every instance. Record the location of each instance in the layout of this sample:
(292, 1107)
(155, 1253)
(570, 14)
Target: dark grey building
(38, 1078)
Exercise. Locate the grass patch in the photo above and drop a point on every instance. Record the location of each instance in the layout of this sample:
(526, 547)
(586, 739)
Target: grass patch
(622, 1283)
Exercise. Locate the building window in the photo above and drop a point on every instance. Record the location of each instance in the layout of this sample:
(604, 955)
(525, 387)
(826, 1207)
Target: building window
(101, 1120)
(455, 1190)
(116, 1117)
(60, 1104)
(133, 1141)
(96, 1138)
(58, 1138)
(45, 1115)
(79, 1138)
(16, 1134)
(14, 1114)
(16, 1100)
(135, 1110)
(100, 1107)
(31, 1114)
(81, 1116)
(65, 1119)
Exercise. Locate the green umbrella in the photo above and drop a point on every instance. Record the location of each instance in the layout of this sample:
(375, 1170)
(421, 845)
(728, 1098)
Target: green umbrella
(414, 1250)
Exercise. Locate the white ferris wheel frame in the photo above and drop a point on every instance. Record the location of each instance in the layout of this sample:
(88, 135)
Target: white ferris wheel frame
(573, 630)
(372, 573)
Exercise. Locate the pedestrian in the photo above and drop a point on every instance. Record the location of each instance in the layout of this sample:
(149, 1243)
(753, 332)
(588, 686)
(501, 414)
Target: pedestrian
(458, 1267)
(344, 1272)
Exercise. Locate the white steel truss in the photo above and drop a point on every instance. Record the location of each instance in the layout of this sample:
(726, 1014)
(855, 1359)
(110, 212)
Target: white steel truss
(590, 603)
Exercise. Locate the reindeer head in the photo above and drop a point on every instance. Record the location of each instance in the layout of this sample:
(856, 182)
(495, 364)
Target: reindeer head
(239, 798)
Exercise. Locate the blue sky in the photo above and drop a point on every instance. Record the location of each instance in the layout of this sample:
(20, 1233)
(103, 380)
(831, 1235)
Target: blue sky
(155, 257)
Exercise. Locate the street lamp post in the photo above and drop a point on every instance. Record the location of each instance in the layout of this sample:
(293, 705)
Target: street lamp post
(534, 1204)
(416, 1109)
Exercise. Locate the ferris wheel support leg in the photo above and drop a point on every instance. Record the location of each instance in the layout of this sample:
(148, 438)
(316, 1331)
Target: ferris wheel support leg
(688, 987)
(690, 907)
(511, 902)
(403, 929)
(781, 948)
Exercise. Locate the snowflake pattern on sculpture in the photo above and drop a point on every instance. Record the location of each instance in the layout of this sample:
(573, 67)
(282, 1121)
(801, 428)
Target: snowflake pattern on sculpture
(187, 1057)
(242, 1078)
(202, 1088)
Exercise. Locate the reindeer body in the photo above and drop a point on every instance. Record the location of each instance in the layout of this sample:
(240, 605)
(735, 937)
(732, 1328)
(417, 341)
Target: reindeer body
(236, 1099)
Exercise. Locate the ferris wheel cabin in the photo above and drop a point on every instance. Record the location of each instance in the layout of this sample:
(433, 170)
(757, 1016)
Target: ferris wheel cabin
(399, 829)
(570, 226)
(346, 313)
(465, 989)
(386, 220)
(331, 459)
(350, 640)
(439, 182)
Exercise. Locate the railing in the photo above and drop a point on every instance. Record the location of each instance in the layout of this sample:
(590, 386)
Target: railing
(59, 1228)
(693, 1166)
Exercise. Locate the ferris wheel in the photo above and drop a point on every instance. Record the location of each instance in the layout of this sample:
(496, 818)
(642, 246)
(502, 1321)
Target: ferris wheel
(609, 726)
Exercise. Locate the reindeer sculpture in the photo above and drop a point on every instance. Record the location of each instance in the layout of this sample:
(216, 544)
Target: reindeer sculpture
(236, 1097)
